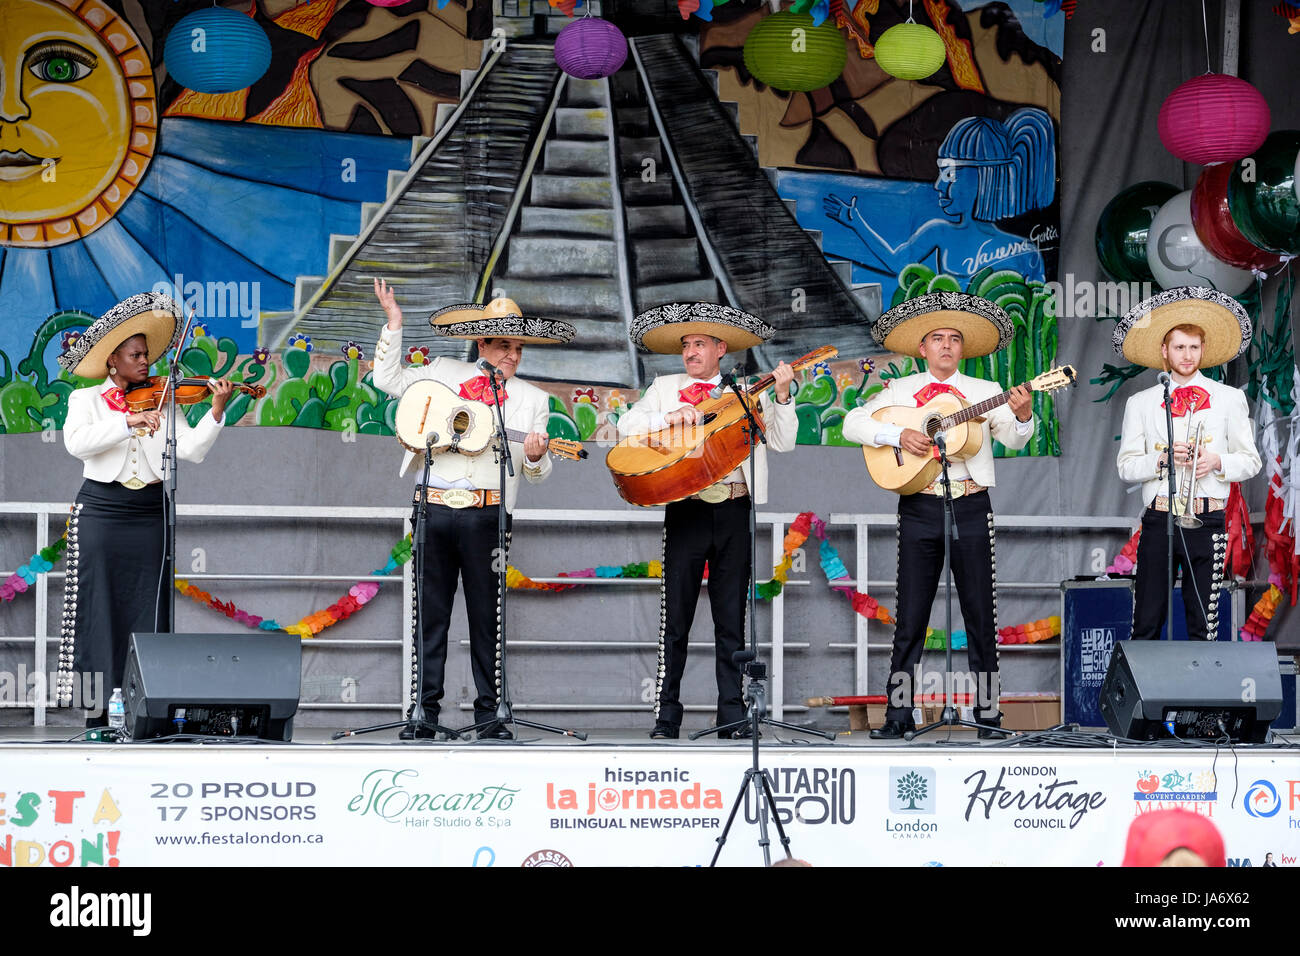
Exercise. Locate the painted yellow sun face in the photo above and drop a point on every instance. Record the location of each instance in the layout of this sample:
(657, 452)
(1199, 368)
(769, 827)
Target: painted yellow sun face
(78, 121)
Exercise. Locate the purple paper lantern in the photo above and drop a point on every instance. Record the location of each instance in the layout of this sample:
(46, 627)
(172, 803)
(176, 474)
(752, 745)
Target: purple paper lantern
(1212, 119)
(590, 48)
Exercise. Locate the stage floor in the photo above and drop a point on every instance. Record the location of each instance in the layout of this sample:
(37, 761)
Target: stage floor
(319, 737)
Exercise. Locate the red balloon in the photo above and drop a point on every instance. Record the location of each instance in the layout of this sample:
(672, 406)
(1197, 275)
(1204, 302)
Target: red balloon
(1213, 223)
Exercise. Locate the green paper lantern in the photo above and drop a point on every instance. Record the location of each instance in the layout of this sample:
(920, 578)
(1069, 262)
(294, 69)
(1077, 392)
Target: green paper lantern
(787, 52)
(1262, 197)
(910, 51)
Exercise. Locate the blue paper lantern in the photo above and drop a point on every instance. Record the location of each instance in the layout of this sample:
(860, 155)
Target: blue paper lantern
(216, 50)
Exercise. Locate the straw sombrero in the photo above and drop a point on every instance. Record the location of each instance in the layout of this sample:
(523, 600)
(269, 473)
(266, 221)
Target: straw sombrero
(662, 328)
(1139, 335)
(984, 327)
(155, 316)
(500, 318)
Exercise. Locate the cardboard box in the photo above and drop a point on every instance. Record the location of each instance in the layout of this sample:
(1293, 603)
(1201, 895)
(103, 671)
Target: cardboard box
(1021, 712)
(1031, 711)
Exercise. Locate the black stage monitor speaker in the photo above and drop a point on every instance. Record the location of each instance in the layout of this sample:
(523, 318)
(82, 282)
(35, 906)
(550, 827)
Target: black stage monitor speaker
(213, 685)
(1157, 689)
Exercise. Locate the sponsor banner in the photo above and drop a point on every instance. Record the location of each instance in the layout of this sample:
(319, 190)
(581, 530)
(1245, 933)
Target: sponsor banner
(567, 806)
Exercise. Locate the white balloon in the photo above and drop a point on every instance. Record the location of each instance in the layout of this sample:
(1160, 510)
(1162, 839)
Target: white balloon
(1178, 258)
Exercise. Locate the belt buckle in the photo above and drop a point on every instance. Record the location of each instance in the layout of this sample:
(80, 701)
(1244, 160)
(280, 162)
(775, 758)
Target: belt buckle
(715, 493)
(956, 489)
(459, 498)
(134, 483)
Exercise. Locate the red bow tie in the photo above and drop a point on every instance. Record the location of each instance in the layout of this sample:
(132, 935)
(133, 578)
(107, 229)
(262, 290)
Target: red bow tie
(933, 389)
(115, 399)
(1189, 398)
(480, 390)
(694, 394)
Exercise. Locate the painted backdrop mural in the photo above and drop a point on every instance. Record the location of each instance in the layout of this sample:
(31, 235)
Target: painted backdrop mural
(439, 146)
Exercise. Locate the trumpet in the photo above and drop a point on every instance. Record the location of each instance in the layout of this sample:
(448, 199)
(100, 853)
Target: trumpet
(1184, 506)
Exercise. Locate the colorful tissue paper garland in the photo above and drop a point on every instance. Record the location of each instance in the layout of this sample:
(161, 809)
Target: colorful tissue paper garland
(39, 563)
(358, 596)
(834, 569)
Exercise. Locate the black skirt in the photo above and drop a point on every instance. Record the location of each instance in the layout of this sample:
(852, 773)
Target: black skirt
(116, 585)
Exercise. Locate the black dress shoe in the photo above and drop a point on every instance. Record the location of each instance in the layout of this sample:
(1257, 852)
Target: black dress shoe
(664, 731)
(497, 731)
(423, 733)
(892, 730)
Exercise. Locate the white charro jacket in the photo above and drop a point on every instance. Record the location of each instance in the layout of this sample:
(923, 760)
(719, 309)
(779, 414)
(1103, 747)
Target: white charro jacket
(100, 437)
(779, 422)
(527, 409)
(1000, 423)
(1229, 433)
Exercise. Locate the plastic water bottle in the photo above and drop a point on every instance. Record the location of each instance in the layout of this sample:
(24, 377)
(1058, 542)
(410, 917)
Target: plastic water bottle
(117, 711)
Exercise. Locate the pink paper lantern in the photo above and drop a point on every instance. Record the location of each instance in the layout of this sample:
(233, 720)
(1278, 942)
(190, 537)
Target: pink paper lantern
(590, 48)
(1212, 119)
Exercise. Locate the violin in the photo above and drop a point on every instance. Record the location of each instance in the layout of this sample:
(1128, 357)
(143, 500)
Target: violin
(150, 394)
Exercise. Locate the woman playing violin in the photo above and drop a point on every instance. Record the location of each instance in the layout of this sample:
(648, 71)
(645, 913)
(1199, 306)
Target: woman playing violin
(116, 581)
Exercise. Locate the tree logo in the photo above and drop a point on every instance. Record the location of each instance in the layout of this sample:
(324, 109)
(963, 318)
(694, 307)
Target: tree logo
(911, 789)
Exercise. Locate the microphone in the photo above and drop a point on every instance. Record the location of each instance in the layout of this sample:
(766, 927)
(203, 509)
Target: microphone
(1163, 378)
(487, 368)
(728, 379)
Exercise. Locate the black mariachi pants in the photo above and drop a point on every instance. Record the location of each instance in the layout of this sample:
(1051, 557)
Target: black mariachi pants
(695, 532)
(1199, 552)
(461, 544)
(920, 565)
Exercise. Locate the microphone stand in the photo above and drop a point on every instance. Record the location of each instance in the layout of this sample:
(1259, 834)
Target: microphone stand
(1167, 380)
(754, 436)
(950, 717)
(756, 671)
(505, 710)
(416, 719)
(170, 462)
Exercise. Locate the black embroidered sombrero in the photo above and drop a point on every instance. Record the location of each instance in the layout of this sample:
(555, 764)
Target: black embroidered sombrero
(500, 318)
(1140, 334)
(985, 328)
(155, 316)
(662, 328)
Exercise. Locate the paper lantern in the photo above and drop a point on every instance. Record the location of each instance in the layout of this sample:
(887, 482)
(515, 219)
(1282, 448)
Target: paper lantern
(787, 52)
(216, 50)
(590, 48)
(1213, 119)
(910, 51)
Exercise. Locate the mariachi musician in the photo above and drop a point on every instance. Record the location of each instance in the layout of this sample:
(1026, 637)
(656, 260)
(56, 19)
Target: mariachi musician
(465, 490)
(1182, 331)
(944, 328)
(117, 582)
(712, 525)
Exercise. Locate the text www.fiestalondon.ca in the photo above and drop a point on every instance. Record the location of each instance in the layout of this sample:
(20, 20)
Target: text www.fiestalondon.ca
(240, 839)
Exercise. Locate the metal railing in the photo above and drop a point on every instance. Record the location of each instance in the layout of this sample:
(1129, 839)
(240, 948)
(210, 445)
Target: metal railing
(44, 513)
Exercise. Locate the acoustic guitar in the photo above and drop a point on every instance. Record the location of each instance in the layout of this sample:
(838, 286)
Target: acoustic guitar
(430, 409)
(904, 473)
(679, 461)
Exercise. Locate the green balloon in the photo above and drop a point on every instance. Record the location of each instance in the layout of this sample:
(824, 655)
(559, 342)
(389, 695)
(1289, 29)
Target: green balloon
(1122, 230)
(1263, 201)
